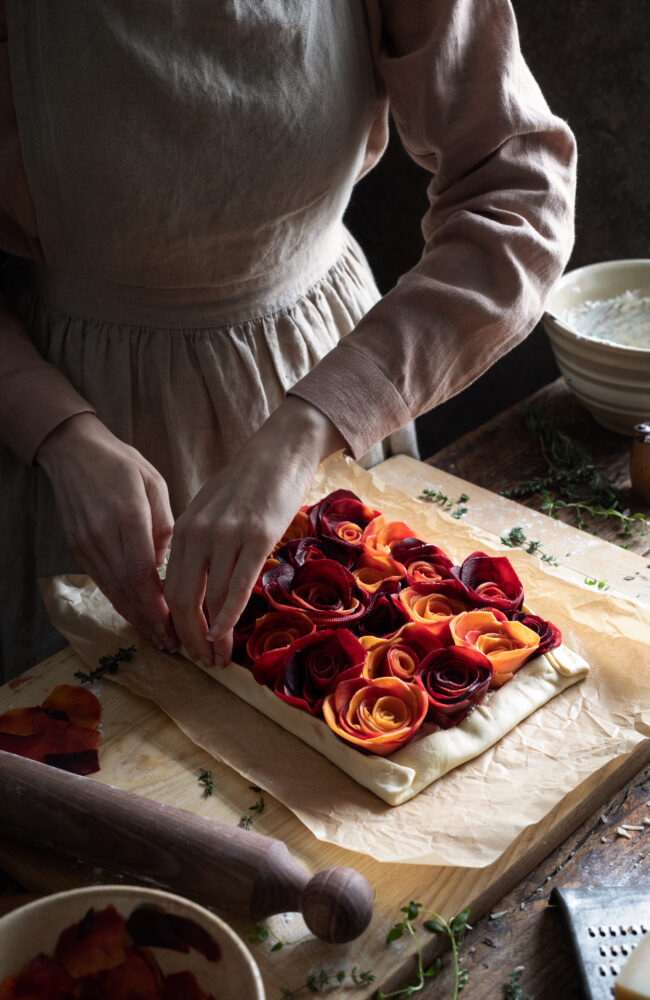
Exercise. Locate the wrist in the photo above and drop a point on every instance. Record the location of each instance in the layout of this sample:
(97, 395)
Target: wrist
(313, 429)
(71, 433)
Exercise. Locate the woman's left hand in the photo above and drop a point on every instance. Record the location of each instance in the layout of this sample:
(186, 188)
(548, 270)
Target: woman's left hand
(221, 541)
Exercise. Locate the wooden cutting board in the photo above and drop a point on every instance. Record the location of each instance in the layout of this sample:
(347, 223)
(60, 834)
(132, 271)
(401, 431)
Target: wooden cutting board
(144, 752)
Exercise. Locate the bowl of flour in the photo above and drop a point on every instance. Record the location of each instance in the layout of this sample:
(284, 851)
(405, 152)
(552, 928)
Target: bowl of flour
(598, 322)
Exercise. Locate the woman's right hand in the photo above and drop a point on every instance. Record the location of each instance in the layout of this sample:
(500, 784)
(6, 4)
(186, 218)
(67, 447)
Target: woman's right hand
(116, 517)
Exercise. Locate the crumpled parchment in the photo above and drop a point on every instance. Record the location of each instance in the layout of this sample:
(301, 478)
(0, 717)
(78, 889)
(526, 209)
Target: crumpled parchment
(468, 817)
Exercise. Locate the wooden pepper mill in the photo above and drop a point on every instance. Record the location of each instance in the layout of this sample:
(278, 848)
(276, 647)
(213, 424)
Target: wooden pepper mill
(640, 461)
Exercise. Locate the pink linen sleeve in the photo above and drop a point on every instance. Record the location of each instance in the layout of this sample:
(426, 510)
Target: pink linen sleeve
(34, 396)
(498, 231)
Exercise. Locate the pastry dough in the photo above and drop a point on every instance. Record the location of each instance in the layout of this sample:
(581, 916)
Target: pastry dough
(397, 778)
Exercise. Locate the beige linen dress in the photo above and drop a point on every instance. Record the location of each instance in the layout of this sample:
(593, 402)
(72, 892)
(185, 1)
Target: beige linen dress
(181, 257)
(189, 167)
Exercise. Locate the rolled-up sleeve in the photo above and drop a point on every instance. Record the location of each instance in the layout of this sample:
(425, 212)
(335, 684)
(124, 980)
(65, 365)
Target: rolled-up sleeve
(498, 231)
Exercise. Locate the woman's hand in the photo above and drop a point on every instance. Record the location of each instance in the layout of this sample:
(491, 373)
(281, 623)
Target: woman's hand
(222, 539)
(115, 511)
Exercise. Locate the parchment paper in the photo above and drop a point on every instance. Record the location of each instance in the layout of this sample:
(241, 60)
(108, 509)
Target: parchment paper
(470, 816)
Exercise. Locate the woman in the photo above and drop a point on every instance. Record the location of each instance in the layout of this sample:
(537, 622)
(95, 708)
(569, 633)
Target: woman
(174, 182)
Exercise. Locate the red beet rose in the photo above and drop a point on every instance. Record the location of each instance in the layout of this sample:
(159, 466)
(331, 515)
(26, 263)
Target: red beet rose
(424, 563)
(549, 634)
(384, 616)
(490, 582)
(341, 516)
(303, 673)
(455, 679)
(324, 590)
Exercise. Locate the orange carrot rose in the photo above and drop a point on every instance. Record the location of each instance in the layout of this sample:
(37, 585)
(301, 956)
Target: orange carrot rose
(506, 644)
(380, 535)
(378, 716)
(275, 630)
(401, 654)
(435, 610)
(378, 573)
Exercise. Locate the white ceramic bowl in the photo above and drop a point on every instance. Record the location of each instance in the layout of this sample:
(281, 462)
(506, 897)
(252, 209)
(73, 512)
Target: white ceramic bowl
(611, 380)
(35, 928)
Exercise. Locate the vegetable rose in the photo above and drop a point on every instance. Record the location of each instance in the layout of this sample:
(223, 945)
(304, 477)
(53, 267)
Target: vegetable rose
(424, 563)
(435, 610)
(378, 573)
(298, 551)
(507, 645)
(381, 535)
(455, 679)
(491, 582)
(549, 634)
(311, 667)
(275, 630)
(378, 716)
(384, 616)
(324, 590)
(401, 654)
(341, 516)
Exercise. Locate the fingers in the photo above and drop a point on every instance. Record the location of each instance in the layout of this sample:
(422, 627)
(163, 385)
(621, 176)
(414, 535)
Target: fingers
(162, 520)
(184, 591)
(139, 578)
(118, 553)
(93, 563)
(226, 597)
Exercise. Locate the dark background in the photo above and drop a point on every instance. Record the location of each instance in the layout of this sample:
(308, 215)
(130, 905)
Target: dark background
(592, 61)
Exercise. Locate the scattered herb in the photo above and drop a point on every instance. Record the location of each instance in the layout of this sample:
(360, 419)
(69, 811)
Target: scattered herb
(259, 933)
(627, 522)
(593, 582)
(316, 982)
(516, 537)
(513, 989)
(107, 665)
(454, 931)
(246, 820)
(439, 496)
(580, 484)
(205, 779)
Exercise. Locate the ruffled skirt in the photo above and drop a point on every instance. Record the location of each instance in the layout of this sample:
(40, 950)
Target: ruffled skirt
(183, 375)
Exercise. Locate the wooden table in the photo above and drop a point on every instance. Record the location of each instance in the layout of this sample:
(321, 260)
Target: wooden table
(527, 930)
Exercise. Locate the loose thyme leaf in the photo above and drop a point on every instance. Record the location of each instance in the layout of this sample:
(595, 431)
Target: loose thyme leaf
(205, 779)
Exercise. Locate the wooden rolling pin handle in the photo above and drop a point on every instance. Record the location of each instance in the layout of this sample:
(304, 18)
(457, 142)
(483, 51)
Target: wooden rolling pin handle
(239, 871)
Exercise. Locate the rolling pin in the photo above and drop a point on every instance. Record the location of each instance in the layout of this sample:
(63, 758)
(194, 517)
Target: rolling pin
(236, 870)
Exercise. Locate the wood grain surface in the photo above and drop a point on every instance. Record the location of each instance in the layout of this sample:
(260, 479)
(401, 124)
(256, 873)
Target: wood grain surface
(143, 751)
(501, 453)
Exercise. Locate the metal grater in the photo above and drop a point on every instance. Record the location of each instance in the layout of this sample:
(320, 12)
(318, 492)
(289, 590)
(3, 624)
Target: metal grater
(606, 926)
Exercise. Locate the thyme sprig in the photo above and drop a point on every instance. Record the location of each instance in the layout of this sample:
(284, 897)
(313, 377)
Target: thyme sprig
(246, 820)
(627, 522)
(317, 982)
(454, 930)
(108, 664)
(516, 537)
(439, 496)
(573, 474)
(205, 779)
(513, 989)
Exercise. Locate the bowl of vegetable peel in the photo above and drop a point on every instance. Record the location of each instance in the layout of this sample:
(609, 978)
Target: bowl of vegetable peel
(119, 942)
(598, 321)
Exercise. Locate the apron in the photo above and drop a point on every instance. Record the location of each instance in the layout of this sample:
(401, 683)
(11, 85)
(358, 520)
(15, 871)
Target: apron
(189, 165)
